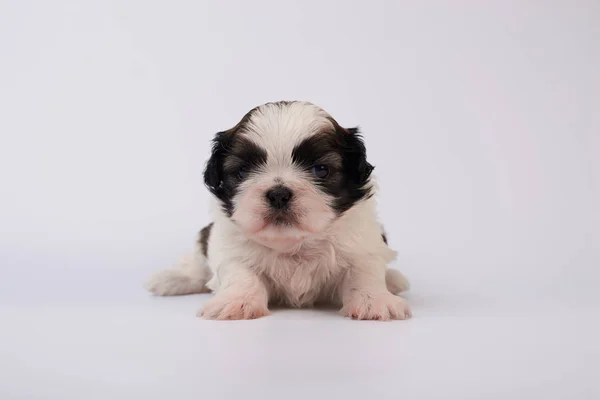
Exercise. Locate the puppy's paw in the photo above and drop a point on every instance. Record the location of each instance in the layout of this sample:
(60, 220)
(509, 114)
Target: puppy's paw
(227, 307)
(395, 281)
(381, 307)
(174, 282)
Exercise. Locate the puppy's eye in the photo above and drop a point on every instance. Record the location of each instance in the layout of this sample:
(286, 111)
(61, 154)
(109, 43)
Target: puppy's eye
(320, 171)
(242, 173)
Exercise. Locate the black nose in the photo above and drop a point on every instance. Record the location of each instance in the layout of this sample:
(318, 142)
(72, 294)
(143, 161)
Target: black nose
(279, 196)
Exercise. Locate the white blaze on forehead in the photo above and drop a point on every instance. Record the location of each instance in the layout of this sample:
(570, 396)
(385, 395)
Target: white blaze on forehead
(278, 128)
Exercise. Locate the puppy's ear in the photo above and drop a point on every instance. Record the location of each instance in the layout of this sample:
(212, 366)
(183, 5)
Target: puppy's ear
(213, 172)
(358, 169)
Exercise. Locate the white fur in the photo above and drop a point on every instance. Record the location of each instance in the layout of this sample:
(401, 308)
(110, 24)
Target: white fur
(324, 258)
(188, 276)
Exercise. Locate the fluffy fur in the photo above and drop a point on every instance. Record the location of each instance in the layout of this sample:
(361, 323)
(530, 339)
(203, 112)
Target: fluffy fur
(294, 222)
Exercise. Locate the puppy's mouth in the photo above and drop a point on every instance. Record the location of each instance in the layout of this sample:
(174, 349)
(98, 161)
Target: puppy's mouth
(282, 219)
(282, 231)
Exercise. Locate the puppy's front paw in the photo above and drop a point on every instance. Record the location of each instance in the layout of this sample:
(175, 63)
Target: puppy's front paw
(228, 307)
(382, 307)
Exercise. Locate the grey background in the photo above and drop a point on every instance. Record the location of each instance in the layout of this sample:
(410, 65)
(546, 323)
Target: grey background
(483, 121)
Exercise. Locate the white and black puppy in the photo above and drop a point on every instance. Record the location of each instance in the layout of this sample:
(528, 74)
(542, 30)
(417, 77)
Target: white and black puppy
(294, 222)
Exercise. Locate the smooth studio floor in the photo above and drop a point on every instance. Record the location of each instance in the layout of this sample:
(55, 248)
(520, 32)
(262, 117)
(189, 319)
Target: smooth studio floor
(120, 343)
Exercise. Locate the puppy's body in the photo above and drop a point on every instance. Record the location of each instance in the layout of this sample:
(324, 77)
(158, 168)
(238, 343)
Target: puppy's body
(282, 235)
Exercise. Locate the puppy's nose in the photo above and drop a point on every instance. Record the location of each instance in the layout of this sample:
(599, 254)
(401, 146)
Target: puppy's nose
(279, 196)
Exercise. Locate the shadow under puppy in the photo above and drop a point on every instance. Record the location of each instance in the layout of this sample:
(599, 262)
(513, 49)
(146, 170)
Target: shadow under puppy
(294, 222)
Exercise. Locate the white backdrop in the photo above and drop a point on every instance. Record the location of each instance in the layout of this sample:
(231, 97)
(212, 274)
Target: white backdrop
(483, 122)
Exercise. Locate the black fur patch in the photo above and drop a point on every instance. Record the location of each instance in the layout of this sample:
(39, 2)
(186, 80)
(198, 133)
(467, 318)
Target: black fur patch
(230, 153)
(344, 152)
(203, 238)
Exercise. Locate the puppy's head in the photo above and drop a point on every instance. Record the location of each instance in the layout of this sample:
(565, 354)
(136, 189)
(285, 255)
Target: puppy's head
(286, 171)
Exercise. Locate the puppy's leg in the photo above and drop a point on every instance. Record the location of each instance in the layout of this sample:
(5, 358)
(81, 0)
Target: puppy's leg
(241, 295)
(186, 277)
(365, 295)
(395, 281)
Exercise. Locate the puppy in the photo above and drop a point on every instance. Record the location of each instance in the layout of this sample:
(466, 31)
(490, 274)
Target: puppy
(294, 222)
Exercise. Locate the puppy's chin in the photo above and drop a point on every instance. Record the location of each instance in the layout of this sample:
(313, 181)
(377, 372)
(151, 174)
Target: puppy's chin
(281, 238)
